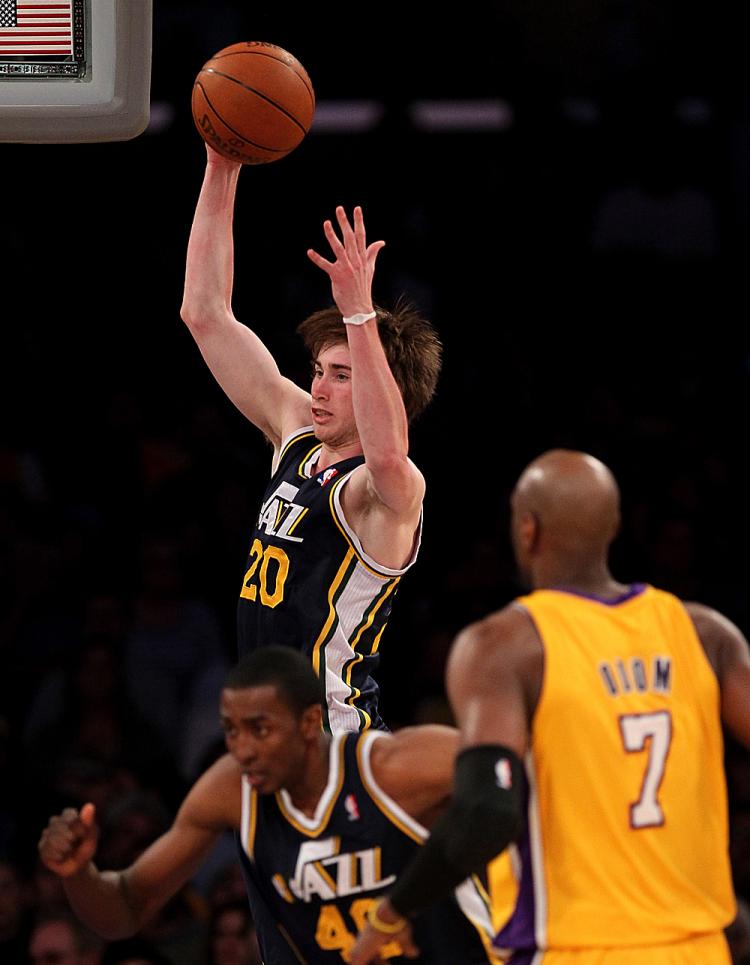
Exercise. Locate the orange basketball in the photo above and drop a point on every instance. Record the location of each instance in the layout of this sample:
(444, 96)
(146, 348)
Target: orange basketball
(253, 102)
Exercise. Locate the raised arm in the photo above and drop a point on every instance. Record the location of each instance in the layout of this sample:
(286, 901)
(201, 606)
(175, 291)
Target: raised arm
(115, 904)
(239, 361)
(392, 479)
(729, 655)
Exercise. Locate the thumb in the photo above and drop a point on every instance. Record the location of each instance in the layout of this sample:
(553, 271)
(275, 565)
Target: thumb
(88, 815)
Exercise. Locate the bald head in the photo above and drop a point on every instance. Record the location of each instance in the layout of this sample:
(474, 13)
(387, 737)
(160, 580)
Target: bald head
(566, 506)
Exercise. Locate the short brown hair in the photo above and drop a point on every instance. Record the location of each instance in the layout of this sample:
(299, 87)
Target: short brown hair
(410, 343)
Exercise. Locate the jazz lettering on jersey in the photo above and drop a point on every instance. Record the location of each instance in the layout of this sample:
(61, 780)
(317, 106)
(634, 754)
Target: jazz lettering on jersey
(280, 515)
(636, 675)
(322, 874)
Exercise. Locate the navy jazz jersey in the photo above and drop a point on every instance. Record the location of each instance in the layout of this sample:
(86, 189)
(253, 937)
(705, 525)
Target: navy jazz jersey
(312, 881)
(310, 585)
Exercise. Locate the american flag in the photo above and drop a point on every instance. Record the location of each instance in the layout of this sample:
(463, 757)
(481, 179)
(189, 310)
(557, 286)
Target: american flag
(29, 28)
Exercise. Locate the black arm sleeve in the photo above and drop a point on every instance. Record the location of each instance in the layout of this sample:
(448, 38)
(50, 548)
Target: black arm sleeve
(484, 816)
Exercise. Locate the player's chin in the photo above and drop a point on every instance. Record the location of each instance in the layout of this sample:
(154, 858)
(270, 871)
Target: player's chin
(263, 783)
(325, 431)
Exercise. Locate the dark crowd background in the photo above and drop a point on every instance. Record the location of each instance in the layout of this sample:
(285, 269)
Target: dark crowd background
(585, 266)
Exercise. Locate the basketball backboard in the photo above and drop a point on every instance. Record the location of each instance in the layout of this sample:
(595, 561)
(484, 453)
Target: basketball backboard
(74, 70)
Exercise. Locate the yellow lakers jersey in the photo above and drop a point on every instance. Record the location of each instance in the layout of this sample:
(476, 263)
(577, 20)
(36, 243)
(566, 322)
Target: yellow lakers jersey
(627, 826)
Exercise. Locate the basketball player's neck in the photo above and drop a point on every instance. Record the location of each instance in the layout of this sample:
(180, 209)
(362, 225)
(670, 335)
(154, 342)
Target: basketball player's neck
(333, 452)
(590, 577)
(313, 779)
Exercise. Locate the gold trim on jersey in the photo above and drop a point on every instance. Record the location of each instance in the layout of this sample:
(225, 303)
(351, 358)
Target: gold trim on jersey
(301, 433)
(376, 642)
(354, 640)
(282, 889)
(322, 824)
(304, 469)
(252, 823)
(298, 520)
(323, 635)
(377, 795)
(347, 537)
(318, 865)
(356, 693)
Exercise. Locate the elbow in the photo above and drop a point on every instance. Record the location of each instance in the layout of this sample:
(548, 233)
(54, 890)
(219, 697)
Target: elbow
(200, 316)
(192, 313)
(390, 464)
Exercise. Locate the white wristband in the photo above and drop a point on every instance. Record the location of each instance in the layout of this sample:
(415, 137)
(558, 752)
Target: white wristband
(360, 318)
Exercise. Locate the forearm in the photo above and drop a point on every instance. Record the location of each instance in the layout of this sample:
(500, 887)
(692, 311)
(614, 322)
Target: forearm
(485, 815)
(209, 272)
(378, 407)
(102, 902)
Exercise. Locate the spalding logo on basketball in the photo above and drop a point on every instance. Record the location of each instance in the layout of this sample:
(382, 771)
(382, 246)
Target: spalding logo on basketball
(253, 102)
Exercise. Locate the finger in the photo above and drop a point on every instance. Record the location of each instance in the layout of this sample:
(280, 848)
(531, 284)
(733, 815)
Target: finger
(88, 815)
(346, 228)
(54, 849)
(319, 260)
(333, 239)
(373, 251)
(359, 228)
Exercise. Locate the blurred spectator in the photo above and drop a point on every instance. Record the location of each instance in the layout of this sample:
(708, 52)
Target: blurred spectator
(127, 828)
(175, 657)
(134, 951)
(659, 211)
(58, 938)
(15, 914)
(231, 935)
(84, 739)
(738, 934)
(227, 885)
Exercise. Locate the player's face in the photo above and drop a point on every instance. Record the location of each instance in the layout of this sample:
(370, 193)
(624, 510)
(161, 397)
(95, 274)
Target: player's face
(264, 736)
(331, 391)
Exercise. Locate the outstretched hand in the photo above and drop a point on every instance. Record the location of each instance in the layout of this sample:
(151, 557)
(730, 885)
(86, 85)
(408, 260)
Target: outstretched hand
(69, 841)
(351, 273)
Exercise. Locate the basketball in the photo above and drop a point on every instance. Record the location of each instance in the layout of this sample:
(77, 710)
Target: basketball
(253, 102)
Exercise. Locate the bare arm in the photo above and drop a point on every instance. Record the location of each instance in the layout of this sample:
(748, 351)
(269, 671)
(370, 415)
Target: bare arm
(115, 904)
(239, 361)
(493, 679)
(494, 676)
(415, 766)
(392, 480)
(729, 654)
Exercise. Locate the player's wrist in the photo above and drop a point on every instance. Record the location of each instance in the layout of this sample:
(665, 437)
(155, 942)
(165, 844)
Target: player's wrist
(385, 919)
(359, 318)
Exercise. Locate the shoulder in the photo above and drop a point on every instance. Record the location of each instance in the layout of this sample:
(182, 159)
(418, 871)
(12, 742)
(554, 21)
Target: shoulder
(722, 640)
(215, 800)
(503, 638)
(395, 752)
(415, 766)
(496, 660)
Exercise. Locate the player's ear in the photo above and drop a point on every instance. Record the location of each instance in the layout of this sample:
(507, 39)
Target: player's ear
(311, 722)
(528, 530)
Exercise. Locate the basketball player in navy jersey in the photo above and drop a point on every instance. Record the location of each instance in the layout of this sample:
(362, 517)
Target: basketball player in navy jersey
(327, 824)
(341, 517)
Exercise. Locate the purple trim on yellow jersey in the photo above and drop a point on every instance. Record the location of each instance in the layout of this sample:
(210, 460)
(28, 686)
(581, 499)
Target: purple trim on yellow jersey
(635, 589)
